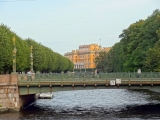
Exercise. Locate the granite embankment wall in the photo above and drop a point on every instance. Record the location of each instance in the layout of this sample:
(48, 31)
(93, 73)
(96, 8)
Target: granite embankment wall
(9, 93)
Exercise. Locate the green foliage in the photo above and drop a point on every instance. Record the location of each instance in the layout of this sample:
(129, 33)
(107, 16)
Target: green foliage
(138, 47)
(23, 52)
(44, 59)
(100, 61)
(6, 48)
(153, 58)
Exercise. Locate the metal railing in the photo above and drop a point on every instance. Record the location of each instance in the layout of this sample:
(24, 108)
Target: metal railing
(92, 76)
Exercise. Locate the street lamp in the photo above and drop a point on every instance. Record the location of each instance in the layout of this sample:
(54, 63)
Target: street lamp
(31, 55)
(14, 55)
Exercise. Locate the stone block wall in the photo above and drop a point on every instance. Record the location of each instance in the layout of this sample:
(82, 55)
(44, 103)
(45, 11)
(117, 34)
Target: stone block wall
(9, 94)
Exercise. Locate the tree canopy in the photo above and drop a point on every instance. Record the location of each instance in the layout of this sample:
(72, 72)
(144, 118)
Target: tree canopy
(138, 47)
(44, 59)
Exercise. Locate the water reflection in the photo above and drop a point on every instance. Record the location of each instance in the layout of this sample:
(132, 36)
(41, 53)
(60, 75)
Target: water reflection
(92, 105)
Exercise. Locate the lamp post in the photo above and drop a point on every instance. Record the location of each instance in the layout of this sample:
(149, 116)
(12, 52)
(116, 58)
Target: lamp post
(31, 55)
(14, 55)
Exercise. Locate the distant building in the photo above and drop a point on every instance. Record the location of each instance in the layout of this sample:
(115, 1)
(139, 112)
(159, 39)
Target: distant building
(84, 57)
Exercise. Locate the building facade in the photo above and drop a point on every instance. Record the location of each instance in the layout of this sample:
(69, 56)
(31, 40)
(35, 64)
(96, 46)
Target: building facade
(84, 56)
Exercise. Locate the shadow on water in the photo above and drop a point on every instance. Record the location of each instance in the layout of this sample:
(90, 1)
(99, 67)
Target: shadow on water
(147, 111)
(142, 111)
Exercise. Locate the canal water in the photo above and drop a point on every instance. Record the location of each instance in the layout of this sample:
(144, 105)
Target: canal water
(106, 104)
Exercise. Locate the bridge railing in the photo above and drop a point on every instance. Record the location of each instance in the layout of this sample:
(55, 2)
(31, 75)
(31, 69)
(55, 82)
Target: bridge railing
(100, 76)
(61, 76)
(91, 76)
(131, 75)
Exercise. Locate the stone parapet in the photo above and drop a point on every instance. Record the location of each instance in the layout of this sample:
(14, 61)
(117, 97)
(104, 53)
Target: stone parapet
(5, 79)
(9, 95)
(9, 92)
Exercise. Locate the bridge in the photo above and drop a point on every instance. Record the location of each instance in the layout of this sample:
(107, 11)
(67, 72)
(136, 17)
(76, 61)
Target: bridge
(16, 92)
(53, 82)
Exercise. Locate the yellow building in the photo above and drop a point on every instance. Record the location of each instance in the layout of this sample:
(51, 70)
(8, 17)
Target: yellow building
(84, 57)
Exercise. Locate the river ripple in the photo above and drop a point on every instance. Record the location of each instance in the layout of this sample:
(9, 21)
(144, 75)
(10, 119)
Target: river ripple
(110, 104)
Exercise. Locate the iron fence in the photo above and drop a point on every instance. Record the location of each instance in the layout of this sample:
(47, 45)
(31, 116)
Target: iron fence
(92, 76)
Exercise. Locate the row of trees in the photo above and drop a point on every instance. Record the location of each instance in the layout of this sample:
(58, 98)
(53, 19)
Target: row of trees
(44, 59)
(139, 47)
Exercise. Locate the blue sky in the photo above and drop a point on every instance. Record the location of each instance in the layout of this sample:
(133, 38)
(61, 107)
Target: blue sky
(63, 25)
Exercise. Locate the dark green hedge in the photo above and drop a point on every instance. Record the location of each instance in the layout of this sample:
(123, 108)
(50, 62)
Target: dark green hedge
(44, 59)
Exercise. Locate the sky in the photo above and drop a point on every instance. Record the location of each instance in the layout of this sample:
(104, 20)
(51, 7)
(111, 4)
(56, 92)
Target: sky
(63, 25)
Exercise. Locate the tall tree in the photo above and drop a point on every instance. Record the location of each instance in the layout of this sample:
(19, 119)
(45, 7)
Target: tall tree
(137, 47)
(100, 61)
